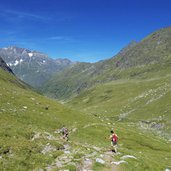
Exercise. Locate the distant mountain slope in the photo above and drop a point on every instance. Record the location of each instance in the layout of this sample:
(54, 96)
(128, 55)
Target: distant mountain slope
(33, 67)
(68, 82)
(137, 60)
(154, 48)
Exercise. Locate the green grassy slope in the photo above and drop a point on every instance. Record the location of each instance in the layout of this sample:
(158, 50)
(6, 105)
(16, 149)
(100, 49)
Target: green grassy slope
(26, 128)
(140, 111)
(136, 105)
(22, 116)
(138, 61)
(131, 100)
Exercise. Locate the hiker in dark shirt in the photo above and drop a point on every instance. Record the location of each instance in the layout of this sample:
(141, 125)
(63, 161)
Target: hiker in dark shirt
(64, 132)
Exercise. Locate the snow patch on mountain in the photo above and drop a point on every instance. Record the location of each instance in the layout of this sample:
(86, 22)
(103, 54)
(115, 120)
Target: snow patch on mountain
(16, 62)
(9, 64)
(30, 54)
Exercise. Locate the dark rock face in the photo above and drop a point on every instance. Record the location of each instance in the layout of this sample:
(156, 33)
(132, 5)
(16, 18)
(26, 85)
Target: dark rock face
(4, 66)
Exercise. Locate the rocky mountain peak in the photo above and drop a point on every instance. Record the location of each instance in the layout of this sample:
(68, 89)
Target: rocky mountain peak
(33, 67)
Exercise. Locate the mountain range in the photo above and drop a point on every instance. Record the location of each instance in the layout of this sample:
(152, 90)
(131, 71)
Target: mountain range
(33, 67)
(137, 60)
(63, 79)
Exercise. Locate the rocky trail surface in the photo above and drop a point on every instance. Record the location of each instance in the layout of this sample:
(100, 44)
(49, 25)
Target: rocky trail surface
(79, 157)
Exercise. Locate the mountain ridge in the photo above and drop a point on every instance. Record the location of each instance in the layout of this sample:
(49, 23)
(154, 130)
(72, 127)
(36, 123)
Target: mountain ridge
(33, 67)
(151, 54)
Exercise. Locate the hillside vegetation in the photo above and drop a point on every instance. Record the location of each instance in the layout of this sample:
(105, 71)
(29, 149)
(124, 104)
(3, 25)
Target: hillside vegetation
(140, 111)
(23, 118)
(144, 101)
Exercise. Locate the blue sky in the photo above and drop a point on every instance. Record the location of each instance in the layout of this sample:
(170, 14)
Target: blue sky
(81, 30)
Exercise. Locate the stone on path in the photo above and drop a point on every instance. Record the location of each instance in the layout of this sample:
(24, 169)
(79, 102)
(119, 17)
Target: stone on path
(119, 162)
(167, 170)
(100, 161)
(128, 156)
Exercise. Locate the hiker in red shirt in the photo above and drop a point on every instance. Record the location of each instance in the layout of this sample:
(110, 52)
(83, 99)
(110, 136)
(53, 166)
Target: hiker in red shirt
(114, 139)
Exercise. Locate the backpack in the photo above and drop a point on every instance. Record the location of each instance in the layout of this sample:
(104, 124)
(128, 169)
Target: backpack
(115, 138)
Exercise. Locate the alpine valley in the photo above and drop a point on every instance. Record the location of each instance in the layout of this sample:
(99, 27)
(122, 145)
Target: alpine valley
(130, 93)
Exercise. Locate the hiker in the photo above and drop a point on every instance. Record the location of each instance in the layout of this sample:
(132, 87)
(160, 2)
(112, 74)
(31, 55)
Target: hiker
(114, 139)
(64, 132)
